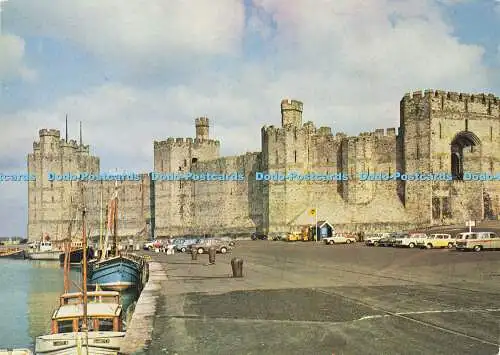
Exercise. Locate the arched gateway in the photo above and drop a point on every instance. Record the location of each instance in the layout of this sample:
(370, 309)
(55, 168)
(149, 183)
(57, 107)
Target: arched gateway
(463, 145)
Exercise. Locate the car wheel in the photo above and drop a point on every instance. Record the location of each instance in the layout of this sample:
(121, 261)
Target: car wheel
(429, 246)
(348, 241)
(201, 250)
(223, 250)
(450, 245)
(183, 250)
(411, 245)
(478, 248)
(330, 242)
(375, 244)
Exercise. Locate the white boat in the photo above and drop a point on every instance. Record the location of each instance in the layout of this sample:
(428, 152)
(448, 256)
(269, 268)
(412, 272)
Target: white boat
(85, 323)
(44, 251)
(16, 352)
(99, 343)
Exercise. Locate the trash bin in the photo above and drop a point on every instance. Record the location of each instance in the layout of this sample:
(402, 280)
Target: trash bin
(237, 266)
(194, 254)
(211, 255)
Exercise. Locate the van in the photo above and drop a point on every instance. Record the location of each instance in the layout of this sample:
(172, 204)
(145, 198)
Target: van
(477, 241)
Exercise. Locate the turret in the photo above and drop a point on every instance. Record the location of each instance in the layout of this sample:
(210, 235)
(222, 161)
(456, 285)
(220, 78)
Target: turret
(202, 128)
(291, 113)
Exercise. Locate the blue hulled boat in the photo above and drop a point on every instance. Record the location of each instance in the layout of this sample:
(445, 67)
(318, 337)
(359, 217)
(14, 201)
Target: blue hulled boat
(112, 270)
(114, 273)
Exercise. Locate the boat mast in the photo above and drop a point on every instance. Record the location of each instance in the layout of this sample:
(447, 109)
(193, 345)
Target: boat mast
(100, 226)
(115, 226)
(84, 275)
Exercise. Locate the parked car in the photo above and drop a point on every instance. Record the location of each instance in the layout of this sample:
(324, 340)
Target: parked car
(477, 241)
(183, 245)
(373, 240)
(229, 240)
(409, 240)
(437, 240)
(203, 245)
(387, 241)
(339, 239)
(259, 236)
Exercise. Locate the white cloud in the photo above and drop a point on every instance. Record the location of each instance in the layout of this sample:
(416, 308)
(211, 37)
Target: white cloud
(12, 59)
(350, 61)
(135, 31)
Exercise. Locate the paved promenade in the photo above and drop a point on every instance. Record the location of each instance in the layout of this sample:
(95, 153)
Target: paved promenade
(307, 298)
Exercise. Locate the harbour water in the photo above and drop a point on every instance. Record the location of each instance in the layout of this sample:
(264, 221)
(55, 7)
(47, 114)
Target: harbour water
(29, 293)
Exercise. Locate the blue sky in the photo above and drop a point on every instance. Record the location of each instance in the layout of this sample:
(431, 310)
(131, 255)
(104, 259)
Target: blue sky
(135, 73)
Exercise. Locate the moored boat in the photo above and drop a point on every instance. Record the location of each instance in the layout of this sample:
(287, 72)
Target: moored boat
(12, 253)
(104, 320)
(44, 251)
(114, 273)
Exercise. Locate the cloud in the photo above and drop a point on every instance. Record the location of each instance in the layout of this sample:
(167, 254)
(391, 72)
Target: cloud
(350, 61)
(12, 59)
(136, 32)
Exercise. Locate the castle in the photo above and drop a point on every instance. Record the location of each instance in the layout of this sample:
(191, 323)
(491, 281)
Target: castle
(440, 132)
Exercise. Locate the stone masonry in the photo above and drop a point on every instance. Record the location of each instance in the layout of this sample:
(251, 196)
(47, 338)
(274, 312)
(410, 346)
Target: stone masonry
(440, 132)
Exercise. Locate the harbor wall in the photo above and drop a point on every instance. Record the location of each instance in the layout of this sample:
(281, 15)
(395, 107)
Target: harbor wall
(139, 331)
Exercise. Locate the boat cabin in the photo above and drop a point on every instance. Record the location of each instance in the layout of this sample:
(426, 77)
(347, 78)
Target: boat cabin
(104, 312)
(45, 246)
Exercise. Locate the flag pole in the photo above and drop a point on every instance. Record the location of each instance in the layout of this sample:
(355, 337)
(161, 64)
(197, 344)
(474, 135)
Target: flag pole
(316, 223)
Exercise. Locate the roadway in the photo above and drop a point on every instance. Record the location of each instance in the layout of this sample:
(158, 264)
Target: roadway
(309, 298)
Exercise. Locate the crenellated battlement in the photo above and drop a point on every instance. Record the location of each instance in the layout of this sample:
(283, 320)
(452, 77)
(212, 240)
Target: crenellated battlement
(36, 146)
(71, 144)
(202, 121)
(49, 132)
(288, 104)
(187, 142)
(452, 101)
(452, 95)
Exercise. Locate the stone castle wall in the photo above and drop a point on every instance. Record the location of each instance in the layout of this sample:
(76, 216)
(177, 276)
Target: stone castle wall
(54, 207)
(436, 128)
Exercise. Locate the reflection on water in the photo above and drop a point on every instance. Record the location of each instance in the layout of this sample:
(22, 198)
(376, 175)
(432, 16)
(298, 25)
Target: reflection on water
(29, 294)
(46, 283)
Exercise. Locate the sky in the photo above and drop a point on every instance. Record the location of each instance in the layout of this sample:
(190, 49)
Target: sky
(137, 71)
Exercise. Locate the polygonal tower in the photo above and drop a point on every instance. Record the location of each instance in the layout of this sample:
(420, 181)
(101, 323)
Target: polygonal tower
(291, 113)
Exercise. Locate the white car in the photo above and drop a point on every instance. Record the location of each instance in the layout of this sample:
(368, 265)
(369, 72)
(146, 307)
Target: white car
(410, 240)
(339, 239)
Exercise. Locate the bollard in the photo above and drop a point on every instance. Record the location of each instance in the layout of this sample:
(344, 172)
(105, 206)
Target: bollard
(211, 255)
(237, 266)
(194, 254)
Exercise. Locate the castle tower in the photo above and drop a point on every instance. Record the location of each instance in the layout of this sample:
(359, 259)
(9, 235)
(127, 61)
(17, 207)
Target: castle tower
(51, 201)
(202, 128)
(173, 198)
(291, 113)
